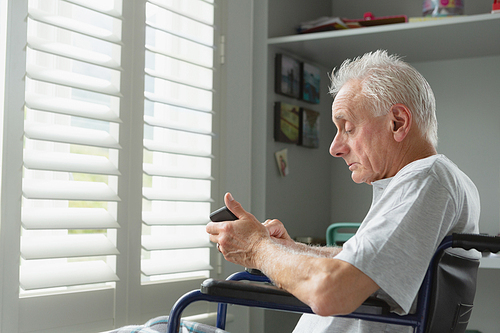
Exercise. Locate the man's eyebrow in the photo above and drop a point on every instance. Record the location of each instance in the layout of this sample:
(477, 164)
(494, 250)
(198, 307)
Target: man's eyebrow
(339, 116)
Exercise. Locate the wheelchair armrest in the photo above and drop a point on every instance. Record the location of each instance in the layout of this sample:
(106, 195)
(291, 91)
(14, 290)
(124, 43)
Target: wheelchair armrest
(249, 291)
(271, 294)
(482, 243)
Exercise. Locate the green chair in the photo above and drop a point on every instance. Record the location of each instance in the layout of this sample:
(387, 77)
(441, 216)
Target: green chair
(338, 233)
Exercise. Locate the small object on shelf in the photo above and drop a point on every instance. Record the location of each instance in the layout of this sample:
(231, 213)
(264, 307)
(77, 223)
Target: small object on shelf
(370, 20)
(429, 18)
(443, 8)
(335, 23)
(496, 7)
(321, 24)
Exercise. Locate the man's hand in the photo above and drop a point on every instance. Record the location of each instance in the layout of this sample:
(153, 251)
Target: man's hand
(328, 285)
(238, 240)
(278, 232)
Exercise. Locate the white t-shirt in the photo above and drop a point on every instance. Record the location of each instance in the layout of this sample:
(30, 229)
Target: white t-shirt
(410, 215)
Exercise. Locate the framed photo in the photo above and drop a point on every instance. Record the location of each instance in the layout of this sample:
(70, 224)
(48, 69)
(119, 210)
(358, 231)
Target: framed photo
(286, 122)
(282, 162)
(310, 83)
(309, 128)
(287, 76)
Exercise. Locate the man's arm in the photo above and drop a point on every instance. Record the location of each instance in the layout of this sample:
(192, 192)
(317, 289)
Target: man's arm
(278, 233)
(328, 285)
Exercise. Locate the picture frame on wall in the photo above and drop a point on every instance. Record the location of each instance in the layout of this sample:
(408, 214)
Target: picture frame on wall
(282, 162)
(286, 123)
(309, 128)
(287, 76)
(310, 83)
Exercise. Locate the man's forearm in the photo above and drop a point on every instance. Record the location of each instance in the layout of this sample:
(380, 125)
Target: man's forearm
(329, 286)
(299, 269)
(315, 251)
(280, 262)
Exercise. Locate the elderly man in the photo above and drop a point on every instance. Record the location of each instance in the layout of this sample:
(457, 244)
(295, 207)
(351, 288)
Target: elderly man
(384, 111)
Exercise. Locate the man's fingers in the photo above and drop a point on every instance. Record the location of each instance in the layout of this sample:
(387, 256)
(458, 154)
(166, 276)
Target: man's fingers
(234, 206)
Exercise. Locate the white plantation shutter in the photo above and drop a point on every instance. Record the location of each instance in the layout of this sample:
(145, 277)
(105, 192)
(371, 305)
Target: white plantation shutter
(179, 61)
(71, 145)
(106, 160)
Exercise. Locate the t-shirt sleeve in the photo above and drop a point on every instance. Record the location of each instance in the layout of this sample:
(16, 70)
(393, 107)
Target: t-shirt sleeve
(399, 235)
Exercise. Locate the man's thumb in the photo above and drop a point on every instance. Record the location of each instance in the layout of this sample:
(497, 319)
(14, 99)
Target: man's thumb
(233, 205)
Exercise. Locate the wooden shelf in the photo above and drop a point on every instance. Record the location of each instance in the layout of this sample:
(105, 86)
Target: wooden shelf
(451, 38)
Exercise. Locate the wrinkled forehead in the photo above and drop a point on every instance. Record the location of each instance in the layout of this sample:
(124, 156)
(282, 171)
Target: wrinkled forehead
(349, 103)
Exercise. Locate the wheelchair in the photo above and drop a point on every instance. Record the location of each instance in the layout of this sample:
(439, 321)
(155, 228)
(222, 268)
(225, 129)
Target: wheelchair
(444, 301)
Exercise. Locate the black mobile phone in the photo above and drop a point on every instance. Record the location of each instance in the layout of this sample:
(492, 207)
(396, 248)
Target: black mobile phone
(222, 214)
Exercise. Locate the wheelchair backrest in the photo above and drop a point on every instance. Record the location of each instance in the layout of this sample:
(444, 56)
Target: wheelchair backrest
(453, 291)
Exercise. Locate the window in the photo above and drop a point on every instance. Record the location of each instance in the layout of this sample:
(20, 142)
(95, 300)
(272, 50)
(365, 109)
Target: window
(113, 118)
(177, 138)
(71, 145)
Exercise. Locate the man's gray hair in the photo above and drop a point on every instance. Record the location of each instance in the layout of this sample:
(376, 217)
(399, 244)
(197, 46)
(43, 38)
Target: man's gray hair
(387, 80)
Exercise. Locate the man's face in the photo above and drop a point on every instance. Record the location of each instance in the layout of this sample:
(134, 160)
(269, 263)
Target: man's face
(364, 141)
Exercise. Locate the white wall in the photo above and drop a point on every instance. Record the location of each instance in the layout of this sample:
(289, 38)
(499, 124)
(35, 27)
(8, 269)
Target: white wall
(301, 200)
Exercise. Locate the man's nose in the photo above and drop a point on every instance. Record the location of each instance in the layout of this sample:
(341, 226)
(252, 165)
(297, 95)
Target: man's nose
(338, 148)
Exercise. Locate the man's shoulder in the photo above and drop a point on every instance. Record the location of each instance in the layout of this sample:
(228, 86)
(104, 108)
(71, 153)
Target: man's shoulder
(427, 163)
(437, 165)
(437, 169)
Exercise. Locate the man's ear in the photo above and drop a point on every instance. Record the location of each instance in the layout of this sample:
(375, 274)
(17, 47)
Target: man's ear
(401, 120)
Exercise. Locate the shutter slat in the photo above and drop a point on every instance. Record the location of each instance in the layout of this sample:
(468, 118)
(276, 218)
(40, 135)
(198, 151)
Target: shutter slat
(41, 160)
(70, 274)
(67, 190)
(152, 243)
(170, 195)
(157, 74)
(67, 218)
(164, 171)
(69, 134)
(98, 6)
(181, 13)
(72, 80)
(71, 107)
(157, 267)
(67, 246)
(165, 148)
(176, 34)
(159, 219)
(73, 25)
(161, 99)
(186, 128)
(72, 52)
(161, 51)
(188, 51)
